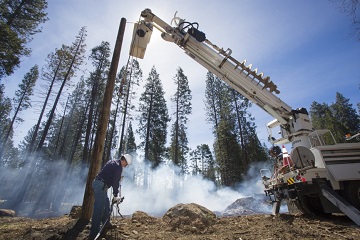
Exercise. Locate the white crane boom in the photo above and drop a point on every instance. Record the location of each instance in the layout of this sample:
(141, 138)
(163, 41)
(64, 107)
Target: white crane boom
(295, 124)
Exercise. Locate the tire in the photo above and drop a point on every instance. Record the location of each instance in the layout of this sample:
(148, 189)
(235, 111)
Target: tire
(352, 192)
(293, 207)
(311, 205)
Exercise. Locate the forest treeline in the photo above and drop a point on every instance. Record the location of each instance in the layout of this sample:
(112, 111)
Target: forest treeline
(58, 148)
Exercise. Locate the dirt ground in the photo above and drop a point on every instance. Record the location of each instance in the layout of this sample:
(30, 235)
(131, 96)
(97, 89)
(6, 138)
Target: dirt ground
(143, 226)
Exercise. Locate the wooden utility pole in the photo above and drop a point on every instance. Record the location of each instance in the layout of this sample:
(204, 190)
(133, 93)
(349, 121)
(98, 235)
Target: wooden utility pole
(95, 164)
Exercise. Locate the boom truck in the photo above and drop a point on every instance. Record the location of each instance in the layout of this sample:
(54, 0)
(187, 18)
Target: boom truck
(320, 176)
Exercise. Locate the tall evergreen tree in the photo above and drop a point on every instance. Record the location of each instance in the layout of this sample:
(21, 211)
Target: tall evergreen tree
(182, 108)
(130, 77)
(21, 100)
(153, 119)
(203, 162)
(5, 110)
(252, 150)
(19, 21)
(240, 105)
(346, 115)
(130, 144)
(71, 128)
(236, 142)
(318, 114)
(52, 72)
(76, 52)
(340, 117)
(219, 111)
(96, 82)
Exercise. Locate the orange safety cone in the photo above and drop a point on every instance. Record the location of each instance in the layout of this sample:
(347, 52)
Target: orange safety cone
(286, 157)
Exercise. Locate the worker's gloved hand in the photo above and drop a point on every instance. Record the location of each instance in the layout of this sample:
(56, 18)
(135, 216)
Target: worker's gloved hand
(116, 200)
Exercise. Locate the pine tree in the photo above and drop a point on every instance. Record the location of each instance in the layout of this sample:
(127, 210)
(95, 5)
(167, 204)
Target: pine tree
(340, 117)
(236, 143)
(5, 110)
(182, 108)
(153, 119)
(21, 101)
(52, 72)
(129, 79)
(318, 114)
(19, 21)
(345, 114)
(96, 82)
(76, 52)
(130, 144)
(203, 162)
(220, 114)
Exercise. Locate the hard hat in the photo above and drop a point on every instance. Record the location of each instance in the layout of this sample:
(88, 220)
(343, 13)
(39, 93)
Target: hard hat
(128, 158)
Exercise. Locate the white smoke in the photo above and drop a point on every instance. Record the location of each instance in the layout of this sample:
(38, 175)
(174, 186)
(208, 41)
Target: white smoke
(168, 189)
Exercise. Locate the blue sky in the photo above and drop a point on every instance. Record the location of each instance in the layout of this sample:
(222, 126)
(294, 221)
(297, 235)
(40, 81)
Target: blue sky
(304, 46)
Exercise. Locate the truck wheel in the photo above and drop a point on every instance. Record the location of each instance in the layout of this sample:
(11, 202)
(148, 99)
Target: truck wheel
(293, 207)
(353, 193)
(311, 205)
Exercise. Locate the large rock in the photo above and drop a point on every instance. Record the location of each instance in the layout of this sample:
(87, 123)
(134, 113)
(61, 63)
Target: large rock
(190, 217)
(142, 217)
(7, 213)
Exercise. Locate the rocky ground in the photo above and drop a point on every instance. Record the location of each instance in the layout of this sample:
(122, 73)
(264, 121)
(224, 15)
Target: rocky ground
(185, 222)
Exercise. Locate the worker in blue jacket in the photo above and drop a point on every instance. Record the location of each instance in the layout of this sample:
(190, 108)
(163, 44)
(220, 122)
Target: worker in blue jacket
(109, 176)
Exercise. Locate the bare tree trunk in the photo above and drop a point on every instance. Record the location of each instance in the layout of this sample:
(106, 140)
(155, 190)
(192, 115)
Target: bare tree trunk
(60, 129)
(34, 136)
(243, 147)
(87, 207)
(125, 113)
(108, 154)
(3, 145)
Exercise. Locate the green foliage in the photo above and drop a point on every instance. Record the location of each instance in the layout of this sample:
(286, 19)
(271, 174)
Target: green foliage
(19, 21)
(236, 143)
(75, 56)
(203, 163)
(182, 108)
(153, 119)
(21, 102)
(340, 117)
(26, 89)
(128, 79)
(95, 89)
(130, 145)
(5, 109)
(227, 152)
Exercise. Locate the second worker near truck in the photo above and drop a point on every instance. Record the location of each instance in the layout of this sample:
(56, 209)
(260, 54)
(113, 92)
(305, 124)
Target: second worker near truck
(109, 176)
